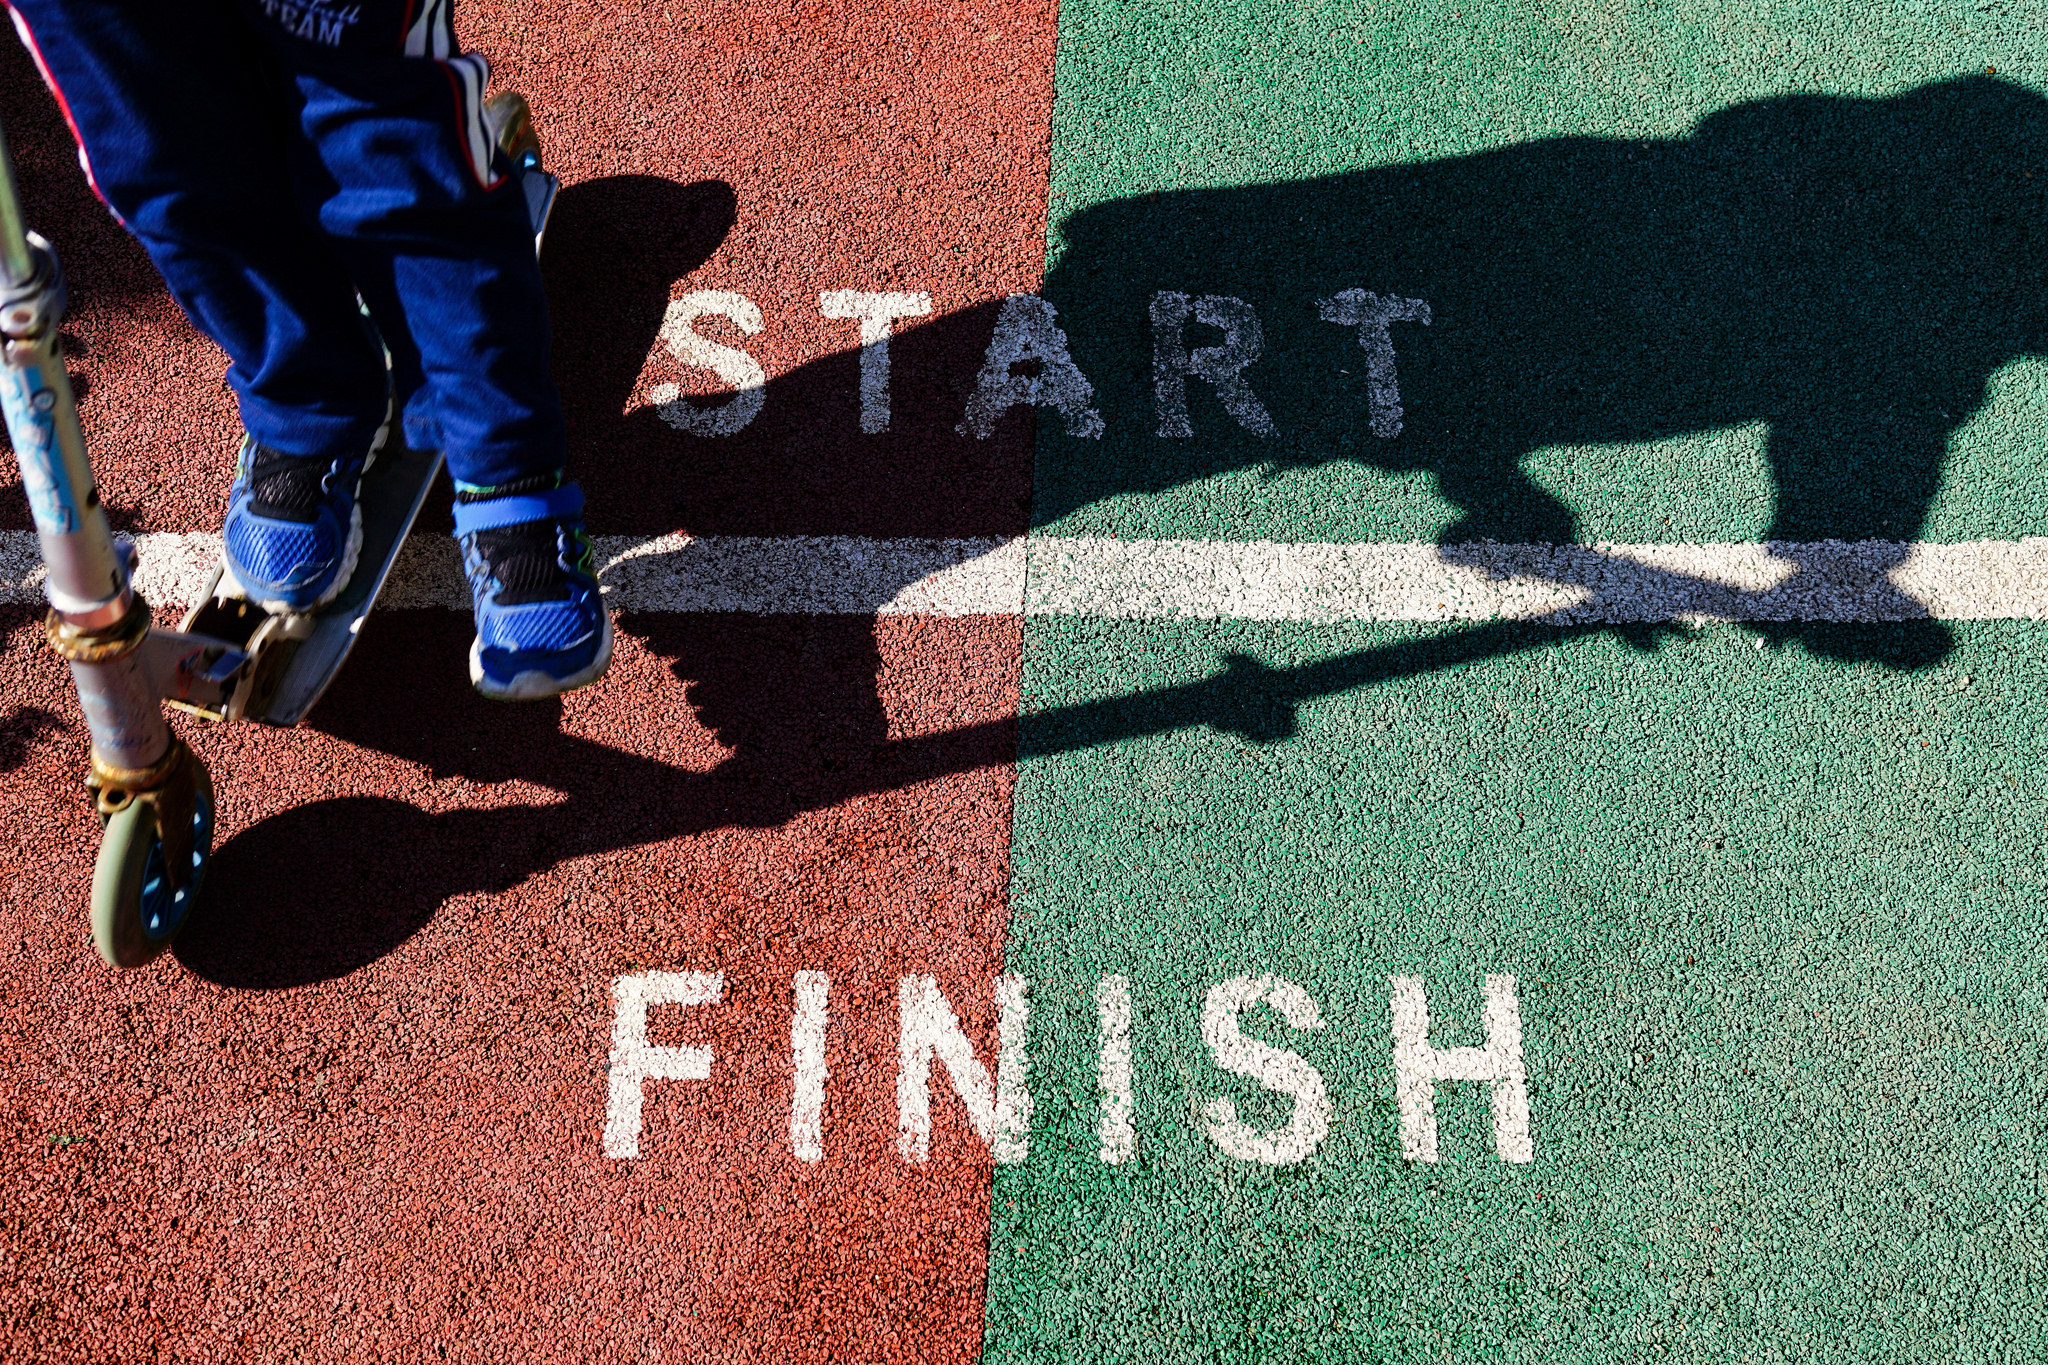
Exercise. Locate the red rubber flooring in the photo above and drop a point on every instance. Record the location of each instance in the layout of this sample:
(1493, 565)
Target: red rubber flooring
(359, 1114)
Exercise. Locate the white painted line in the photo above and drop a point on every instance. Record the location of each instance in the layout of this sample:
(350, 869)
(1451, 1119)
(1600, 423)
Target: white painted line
(807, 1058)
(1566, 584)
(1826, 580)
(813, 575)
(1117, 1139)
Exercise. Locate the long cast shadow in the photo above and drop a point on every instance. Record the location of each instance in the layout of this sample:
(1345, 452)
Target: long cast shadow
(1850, 272)
(369, 871)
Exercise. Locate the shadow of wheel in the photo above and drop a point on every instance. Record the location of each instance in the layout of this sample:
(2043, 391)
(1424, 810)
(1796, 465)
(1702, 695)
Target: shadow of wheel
(313, 894)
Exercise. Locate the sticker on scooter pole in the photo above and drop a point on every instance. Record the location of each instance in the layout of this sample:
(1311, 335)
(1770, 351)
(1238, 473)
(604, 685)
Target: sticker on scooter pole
(31, 423)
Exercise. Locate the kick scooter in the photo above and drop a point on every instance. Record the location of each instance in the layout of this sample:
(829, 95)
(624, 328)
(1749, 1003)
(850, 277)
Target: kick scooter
(230, 659)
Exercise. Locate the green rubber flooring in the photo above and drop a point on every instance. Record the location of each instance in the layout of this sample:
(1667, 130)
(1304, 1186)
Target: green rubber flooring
(1775, 923)
(1695, 272)
(1771, 897)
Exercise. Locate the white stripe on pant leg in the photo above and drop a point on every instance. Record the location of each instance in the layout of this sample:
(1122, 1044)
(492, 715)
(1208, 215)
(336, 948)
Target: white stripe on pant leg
(1000, 1112)
(1117, 1138)
(807, 1057)
(635, 1061)
(473, 73)
(1983, 580)
(1419, 1066)
(433, 33)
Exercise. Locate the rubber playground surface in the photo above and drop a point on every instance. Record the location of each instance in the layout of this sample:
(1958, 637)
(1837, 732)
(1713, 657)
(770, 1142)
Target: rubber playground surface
(1404, 724)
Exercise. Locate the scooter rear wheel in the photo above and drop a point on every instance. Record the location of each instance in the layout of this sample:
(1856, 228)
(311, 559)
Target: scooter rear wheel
(135, 911)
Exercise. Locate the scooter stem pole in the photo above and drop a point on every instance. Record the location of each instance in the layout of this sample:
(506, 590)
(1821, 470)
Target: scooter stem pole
(17, 266)
(98, 623)
(88, 574)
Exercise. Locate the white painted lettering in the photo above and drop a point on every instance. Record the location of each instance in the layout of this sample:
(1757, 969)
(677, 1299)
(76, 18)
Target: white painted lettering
(1223, 366)
(1286, 1073)
(875, 313)
(1418, 1067)
(635, 1061)
(807, 1055)
(1371, 314)
(1117, 1138)
(1001, 1113)
(1027, 330)
(734, 366)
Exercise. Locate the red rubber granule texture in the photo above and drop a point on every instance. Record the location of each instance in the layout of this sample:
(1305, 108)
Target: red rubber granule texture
(152, 392)
(357, 1113)
(779, 151)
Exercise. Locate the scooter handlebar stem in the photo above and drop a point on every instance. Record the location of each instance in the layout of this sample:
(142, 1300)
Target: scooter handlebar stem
(32, 306)
(87, 576)
(16, 263)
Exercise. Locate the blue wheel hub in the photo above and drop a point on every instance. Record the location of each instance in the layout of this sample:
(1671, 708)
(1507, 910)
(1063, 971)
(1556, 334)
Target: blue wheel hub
(164, 909)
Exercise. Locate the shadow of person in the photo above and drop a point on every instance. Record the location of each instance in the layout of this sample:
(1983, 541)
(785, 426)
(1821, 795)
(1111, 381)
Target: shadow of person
(1849, 271)
(615, 248)
(792, 696)
(618, 251)
(20, 729)
(23, 726)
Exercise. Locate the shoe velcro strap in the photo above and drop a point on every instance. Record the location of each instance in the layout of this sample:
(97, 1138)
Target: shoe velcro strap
(564, 503)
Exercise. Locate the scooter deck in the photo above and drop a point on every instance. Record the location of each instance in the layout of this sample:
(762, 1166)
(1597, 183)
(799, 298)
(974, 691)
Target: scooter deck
(294, 656)
(393, 490)
(540, 189)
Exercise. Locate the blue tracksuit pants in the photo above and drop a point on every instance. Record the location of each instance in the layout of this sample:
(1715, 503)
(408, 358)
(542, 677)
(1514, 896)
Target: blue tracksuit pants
(279, 157)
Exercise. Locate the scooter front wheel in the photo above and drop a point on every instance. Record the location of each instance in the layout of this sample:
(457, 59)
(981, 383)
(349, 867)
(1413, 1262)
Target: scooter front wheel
(135, 910)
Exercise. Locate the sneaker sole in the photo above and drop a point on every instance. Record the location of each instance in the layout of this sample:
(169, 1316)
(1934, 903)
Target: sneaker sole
(378, 442)
(534, 685)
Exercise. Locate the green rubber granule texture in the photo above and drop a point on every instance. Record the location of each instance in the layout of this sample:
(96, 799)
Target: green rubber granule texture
(1776, 926)
(1772, 896)
(1696, 271)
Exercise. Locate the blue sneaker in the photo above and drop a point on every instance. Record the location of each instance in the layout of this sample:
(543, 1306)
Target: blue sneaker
(294, 529)
(541, 626)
